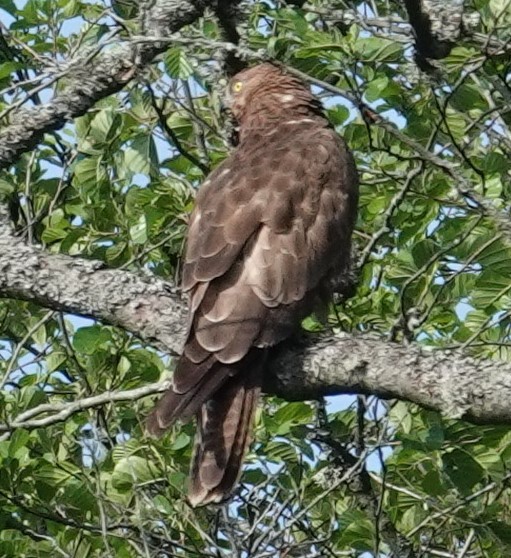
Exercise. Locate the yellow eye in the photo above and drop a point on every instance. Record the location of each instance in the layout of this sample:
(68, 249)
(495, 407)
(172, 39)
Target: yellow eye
(237, 86)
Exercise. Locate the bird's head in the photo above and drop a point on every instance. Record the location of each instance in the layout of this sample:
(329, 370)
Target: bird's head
(267, 91)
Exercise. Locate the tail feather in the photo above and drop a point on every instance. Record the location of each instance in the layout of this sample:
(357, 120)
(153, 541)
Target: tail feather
(239, 448)
(224, 402)
(174, 405)
(223, 436)
(218, 423)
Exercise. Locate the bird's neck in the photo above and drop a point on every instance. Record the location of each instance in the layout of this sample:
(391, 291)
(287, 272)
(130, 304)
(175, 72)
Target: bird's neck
(262, 121)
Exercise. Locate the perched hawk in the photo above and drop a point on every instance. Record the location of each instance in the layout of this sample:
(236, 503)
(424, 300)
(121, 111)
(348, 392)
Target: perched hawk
(268, 240)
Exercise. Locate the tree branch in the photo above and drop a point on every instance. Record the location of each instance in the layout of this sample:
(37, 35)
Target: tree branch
(59, 412)
(90, 78)
(142, 304)
(436, 24)
(450, 382)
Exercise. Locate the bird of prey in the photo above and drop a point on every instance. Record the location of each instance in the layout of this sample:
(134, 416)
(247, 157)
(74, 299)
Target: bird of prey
(268, 240)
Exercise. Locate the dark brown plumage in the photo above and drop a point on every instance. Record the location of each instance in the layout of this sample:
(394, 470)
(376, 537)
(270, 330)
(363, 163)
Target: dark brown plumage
(268, 240)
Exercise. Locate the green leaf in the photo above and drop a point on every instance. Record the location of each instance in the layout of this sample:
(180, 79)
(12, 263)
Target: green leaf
(460, 56)
(424, 251)
(18, 443)
(357, 531)
(9, 6)
(475, 319)
(137, 198)
(53, 475)
(123, 365)
(377, 204)
(53, 234)
(338, 115)
(39, 334)
(375, 88)
(116, 251)
(281, 451)
(491, 461)
(138, 231)
(141, 156)
(498, 255)
(455, 124)
(180, 442)
(495, 162)
(463, 470)
(149, 363)
(88, 339)
(493, 187)
(6, 187)
(71, 8)
(467, 96)
(7, 68)
(89, 173)
(432, 483)
(291, 414)
(376, 49)
(177, 63)
(489, 288)
(132, 470)
(499, 7)
(104, 124)
(502, 531)
(54, 360)
(127, 9)
(162, 505)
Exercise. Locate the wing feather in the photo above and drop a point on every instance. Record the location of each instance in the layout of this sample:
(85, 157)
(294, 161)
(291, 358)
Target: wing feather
(264, 245)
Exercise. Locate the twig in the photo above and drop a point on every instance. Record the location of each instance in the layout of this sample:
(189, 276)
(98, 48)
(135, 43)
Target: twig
(59, 412)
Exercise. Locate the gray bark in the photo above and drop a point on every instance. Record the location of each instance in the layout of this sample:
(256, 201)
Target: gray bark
(437, 25)
(450, 382)
(143, 304)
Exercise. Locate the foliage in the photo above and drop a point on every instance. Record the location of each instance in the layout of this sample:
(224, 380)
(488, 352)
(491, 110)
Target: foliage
(358, 476)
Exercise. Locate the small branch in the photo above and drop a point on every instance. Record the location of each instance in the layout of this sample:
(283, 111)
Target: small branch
(21, 345)
(169, 132)
(432, 518)
(59, 412)
(468, 543)
(340, 457)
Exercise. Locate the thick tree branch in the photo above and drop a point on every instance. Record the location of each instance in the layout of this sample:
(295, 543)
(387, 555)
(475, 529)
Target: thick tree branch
(91, 78)
(450, 382)
(145, 305)
(436, 25)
